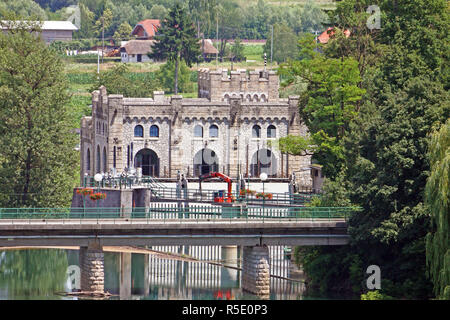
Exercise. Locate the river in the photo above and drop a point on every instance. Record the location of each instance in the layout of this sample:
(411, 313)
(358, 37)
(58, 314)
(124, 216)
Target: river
(199, 274)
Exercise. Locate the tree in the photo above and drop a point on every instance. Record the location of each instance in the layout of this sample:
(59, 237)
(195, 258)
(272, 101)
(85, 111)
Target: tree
(24, 9)
(158, 12)
(122, 33)
(175, 40)
(437, 195)
(329, 104)
(118, 81)
(312, 17)
(238, 50)
(165, 76)
(284, 43)
(37, 157)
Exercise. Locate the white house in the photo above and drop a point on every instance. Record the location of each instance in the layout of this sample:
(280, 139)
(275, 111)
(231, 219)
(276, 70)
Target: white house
(136, 51)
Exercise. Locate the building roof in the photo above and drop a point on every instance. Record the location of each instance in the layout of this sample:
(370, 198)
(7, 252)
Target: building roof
(46, 25)
(325, 36)
(208, 47)
(138, 46)
(150, 27)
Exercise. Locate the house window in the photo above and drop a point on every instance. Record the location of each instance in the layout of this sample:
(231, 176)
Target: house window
(154, 131)
(198, 131)
(256, 131)
(214, 131)
(271, 131)
(138, 131)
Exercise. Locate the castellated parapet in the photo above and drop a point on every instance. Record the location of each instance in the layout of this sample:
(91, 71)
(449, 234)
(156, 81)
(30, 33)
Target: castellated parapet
(254, 86)
(231, 128)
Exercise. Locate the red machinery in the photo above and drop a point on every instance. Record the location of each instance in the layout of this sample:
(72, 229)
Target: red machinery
(221, 177)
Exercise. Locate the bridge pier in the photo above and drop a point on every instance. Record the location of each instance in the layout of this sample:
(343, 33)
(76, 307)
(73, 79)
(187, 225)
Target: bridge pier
(92, 265)
(229, 256)
(256, 271)
(125, 276)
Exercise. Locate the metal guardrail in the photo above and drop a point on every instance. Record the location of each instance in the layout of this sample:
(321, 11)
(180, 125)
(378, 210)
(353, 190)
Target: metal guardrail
(168, 212)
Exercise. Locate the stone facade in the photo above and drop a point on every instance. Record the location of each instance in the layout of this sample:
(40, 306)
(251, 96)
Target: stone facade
(256, 271)
(230, 128)
(92, 263)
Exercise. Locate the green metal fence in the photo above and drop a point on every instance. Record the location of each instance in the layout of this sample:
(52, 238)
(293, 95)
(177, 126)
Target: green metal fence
(161, 211)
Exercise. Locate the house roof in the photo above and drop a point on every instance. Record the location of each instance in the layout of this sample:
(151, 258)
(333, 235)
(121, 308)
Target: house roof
(46, 25)
(138, 46)
(208, 47)
(325, 36)
(150, 27)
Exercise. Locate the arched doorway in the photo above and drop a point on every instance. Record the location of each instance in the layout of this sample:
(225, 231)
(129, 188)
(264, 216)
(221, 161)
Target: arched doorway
(148, 160)
(205, 161)
(264, 161)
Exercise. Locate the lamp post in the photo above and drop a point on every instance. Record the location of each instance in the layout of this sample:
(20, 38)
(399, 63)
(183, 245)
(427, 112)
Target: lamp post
(263, 177)
(98, 178)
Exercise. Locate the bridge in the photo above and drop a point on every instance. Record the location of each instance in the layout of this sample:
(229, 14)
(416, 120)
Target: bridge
(132, 217)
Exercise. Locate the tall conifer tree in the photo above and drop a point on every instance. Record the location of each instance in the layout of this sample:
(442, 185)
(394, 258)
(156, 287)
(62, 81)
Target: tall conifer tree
(176, 40)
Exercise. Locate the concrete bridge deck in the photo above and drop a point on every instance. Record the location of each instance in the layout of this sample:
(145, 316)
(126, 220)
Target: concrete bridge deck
(116, 232)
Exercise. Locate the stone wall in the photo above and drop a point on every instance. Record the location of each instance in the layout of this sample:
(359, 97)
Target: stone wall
(92, 268)
(256, 271)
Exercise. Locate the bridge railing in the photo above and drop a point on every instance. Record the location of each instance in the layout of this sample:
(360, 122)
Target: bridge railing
(159, 211)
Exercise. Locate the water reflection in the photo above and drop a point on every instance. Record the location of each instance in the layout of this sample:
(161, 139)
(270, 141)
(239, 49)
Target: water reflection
(40, 274)
(32, 274)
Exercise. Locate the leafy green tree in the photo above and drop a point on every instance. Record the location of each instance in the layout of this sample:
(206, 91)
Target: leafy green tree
(23, 8)
(327, 107)
(118, 80)
(86, 29)
(122, 33)
(437, 195)
(37, 156)
(313, 18)
(237, 50)
(166, 77)
(284, 44)
(176, 41)
(158, 12)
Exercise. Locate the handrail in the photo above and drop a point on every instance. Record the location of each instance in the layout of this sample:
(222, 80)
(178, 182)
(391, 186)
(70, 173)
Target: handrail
(158, 212)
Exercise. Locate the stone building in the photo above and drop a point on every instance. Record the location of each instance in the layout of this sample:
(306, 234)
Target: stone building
(231, 127)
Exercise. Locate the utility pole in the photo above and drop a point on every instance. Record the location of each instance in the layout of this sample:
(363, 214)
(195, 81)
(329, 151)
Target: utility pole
(271, 48)
(103, 37)
(217, 39)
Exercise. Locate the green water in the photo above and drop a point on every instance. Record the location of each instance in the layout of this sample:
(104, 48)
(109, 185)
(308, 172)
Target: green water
(45, 273)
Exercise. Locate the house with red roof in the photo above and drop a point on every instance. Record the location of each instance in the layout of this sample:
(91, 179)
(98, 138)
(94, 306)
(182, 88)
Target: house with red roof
(329, 33)
(146, 29)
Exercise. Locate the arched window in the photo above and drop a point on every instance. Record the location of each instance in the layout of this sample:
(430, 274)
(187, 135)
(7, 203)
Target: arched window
(138, 131)
(248, 98)
(255, 98)
(214, 131)
(88, 160)
(154, 131)
(104, 159)
(114, 157)
(98, 167)
(256, 131)
(263, 98)
(198, 131)
(226, 98)
(271, 131)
